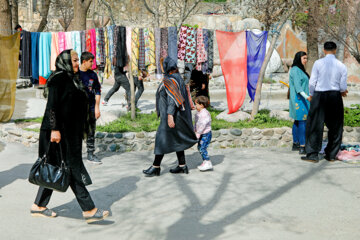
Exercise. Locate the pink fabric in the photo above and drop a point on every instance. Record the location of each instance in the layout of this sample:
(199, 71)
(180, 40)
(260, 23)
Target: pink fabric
(61, 41)
(233, 59)
(93, 44)
(201, 54)
(202, 122)
(182, 43)
(68, 41)
(54, 50)
(348, 155)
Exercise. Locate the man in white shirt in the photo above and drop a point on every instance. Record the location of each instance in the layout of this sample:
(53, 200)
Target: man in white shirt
(327, 86)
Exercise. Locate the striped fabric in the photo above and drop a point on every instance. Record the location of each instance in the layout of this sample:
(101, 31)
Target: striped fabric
(201, 54)
(141, 63)
(107, 69)
(135, 51)
(150, 62)
(164, 42)
(173, 91)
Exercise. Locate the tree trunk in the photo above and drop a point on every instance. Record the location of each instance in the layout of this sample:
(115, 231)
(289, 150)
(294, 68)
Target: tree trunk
(81, 8)
(45, 11)
(5, 18)
(132, 91)
(350, 27)
(14, 13)
(312, 35)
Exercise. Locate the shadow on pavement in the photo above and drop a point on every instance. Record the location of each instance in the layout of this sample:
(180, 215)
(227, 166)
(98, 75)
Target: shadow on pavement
(103, 198)
(21, 171)
(189, 226)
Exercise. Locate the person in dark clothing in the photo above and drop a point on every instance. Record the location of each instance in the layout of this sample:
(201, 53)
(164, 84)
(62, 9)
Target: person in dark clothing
(199, 84)
(139, 84)
(65, 122)
(175, 132)
(120, 80)
(327, 86)
(90, 80)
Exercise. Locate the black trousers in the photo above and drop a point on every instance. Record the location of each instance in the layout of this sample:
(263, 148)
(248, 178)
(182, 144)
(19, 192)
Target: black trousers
(81, 193)
(140, 89)
(180, 156)
(123, 81)
(326, 107)
(90, 141)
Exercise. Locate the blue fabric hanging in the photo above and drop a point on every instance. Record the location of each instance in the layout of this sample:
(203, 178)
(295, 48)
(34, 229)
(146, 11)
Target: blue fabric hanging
(172, 43)
(256, 50)
(35, 55)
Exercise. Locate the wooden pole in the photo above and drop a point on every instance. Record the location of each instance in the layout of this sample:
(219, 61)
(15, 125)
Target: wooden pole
(132, 90)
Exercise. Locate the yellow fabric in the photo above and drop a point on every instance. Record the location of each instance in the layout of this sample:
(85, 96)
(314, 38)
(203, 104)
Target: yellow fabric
(9, 65)
(152, 65)
(107, 70)
(135, 51)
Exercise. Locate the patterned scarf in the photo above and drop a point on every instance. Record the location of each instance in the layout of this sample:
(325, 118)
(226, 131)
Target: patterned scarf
(107, 69)
(182, 43)
(204, 65)
(100, 47)
(190, 49)
(201, 54)
(83, 41)
(135, 51)
(157, 49)
(150, 62)
(62, 41)
(173, 91)
(210, 51)
(164, 42)
(141, 63)
(172, 43)
(87, 41)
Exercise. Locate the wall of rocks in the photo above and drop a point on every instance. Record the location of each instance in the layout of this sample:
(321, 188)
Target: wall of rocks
(145, 141)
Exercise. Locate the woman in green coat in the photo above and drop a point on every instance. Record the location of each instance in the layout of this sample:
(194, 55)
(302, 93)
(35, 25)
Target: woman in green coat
(299, 100)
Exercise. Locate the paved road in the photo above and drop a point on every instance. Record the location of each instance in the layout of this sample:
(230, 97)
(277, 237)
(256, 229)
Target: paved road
(255, 193)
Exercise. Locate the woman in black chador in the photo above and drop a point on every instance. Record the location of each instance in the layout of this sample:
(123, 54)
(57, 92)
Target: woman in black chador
(175, 132)
(65, 122)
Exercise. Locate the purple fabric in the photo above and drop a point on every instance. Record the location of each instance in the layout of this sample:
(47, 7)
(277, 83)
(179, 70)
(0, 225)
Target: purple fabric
(256, 50)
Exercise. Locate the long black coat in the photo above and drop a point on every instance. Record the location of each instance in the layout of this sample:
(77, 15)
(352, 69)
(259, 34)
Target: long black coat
(182, 136)
(66, 111)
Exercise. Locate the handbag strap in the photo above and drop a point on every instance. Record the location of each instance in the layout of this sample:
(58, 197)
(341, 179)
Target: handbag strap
(61, 154)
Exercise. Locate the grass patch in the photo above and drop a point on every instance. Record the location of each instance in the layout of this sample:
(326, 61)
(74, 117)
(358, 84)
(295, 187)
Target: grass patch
(32, 129)
(352, 115)
(34, 120)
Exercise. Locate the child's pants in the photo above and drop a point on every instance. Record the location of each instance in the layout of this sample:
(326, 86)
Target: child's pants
(203, 144)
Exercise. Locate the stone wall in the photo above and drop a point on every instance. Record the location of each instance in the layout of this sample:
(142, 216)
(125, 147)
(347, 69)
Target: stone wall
(145, 141)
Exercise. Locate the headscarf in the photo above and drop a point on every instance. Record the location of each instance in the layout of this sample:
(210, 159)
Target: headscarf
(297, 62)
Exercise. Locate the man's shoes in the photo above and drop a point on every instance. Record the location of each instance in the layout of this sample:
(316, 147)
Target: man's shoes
(302, 151)
(295, 147)
(91, 157)
(314, 158)
(327, 158)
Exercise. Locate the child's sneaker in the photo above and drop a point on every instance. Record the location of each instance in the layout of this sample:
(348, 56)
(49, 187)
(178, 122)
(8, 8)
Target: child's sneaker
(205, 166)
(104, 103)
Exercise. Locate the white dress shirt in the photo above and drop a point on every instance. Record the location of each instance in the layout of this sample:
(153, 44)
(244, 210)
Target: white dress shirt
(328, 74)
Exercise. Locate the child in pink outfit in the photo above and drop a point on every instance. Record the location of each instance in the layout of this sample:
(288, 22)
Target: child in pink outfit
(203, 131)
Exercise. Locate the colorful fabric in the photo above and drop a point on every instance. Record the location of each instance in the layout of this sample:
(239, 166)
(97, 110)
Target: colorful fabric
(204, 65)
(172, 43)
(62, 41)
(201, 54)
(164, 42)
(35, 55)
(107, 69)
(203, 144)
(190, 56)
(210, 52)
(256, 50)
(150, 61)
(348, 156)
(87, 41)
(68, 41)
(83, 41)
(93, 45)
(54, 50)
(173, 91)
(182, 43)
(100, 47)
(135, 51)
(76, 42)
(9, 63)
(128, 41)
(44, 60)
(233, 59)
(141, 63)
(111, 30)
(115, 48)
(25, 67)
(157, 49)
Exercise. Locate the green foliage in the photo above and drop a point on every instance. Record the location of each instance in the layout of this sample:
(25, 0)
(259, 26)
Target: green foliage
(352, 116)
(192, 26)
(34, 120)
(32, 129)
(268, 80)
(300, 19)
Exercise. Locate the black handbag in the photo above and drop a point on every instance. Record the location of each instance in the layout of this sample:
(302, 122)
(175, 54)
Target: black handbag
(50, 176)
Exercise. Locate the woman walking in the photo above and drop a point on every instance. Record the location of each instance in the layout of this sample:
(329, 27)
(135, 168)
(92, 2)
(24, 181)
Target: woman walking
(299, 100)
(175, 132)
(65, 122)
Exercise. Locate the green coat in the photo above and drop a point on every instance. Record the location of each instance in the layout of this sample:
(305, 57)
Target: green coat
(298, 105)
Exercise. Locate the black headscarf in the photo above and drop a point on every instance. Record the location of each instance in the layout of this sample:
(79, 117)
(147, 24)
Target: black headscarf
(297, 61)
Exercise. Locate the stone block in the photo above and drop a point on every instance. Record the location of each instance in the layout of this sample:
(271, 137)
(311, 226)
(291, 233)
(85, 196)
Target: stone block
(246, 132)
(256, 137)
(110, 135)
(100, 135)
(151, 134)
(108, 140)
(348, 129)
(268, 132)
(224, 131)
(234, 117)
(256, 131)
(287, 138)
(140, 135)
(215, 134)
(283, 115)
(129, 135)
(279, 131)
(223, 145)
(221, 139)
(113, 147)
(15, 132)
(236, 132)
(118, 135)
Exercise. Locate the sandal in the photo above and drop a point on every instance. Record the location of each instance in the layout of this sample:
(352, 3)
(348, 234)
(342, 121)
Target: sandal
(98, 216)
(44, 213)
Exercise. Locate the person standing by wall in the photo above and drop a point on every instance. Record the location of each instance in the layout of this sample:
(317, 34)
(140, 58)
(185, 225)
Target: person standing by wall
(327, 86)
(299, 100)
(90, 80)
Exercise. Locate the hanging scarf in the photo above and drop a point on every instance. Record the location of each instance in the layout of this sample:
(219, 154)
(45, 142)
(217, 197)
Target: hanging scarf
(115, 48)
(182, 43)
(93, 45)
(128, 40)
(83, 41)
(164, 42)
(68, 41)
(210, 53)
(111, 30)
(201, 55)
(44, 57)
(76, 41)
(62, 41)
(141, 63)
(172, 43)
(107, 69)
(35, 55)
(100, 48)
(87, 41)
(157, 49)
(25, 67)
(190, 49)
(150, 62)
(135, 51)
(54, 50)
(204, 65)
(121, 55)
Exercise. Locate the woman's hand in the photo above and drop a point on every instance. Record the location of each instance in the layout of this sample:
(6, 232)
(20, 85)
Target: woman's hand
(55, 136)
(171, 122)
(309, 98)
(97, 112)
